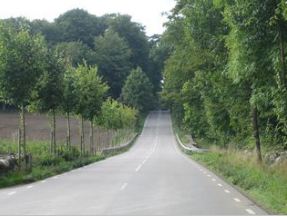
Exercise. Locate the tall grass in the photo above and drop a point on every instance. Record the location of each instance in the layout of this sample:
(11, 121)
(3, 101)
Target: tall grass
(266, 185)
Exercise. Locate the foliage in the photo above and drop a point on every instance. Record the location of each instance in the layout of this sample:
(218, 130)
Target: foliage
(91, 91)
(115, 115)
(21, 64)
(137, 91)
(226, 64)
(112, 55)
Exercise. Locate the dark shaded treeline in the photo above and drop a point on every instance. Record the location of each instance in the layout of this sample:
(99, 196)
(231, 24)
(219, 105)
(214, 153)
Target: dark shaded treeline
(113, 42)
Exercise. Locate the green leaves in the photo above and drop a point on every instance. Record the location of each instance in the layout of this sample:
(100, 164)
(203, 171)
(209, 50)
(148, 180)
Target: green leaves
(91, 91)
(113, 58)
(138, 91)
(115, 115)
(22, 63)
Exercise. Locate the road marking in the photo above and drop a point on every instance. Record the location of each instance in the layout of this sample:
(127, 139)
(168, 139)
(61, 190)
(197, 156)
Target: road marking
(30, 186)
(204, 172)
(226, 191)
(250, 211)
(11, 193)
(124, 186)
(55, 177)
(138, 168)
(214, 180)
(43, 181)
(236, 199)
(220, 185)
(209, 175)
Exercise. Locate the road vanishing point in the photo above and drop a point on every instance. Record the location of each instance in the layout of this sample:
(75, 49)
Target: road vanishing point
(153, 178)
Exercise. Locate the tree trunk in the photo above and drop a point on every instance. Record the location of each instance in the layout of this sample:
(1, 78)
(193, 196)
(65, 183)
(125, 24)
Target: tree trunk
(256, 133)
(23, 133)
(68, 131)
(91, 137)
(19, 148)
(282, 55)
(54, 131)
(82, 133)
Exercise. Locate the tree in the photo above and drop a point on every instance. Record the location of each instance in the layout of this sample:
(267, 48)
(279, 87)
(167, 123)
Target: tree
(48, 93)
(22, 58)
(115, 115)
(70, 98)
(134, 35)
(112, 56)
(75, 53)
(248, 63)
(138, 91)
(91, 92)
(79, 25)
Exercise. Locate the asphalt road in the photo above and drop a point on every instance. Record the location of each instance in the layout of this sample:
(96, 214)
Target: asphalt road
(153, 178)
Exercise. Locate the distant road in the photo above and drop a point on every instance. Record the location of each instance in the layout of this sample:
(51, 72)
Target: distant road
(153, 178)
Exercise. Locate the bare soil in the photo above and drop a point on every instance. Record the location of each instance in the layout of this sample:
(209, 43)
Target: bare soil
(38, 128)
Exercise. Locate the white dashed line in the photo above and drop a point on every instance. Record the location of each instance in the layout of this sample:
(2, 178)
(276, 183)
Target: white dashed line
(11, 193)
(139, 167)
(226, 191)
(209, 175)
(124, 186)
(43, 181)
(214, 180)
(236, 199)
(55, 177)
(220, 185)
(30, 186)
(250, 211)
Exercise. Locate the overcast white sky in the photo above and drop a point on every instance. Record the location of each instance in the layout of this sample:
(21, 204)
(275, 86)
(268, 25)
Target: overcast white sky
(146, 12)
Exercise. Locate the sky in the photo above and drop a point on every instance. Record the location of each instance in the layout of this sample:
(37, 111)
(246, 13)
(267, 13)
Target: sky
(146, 12)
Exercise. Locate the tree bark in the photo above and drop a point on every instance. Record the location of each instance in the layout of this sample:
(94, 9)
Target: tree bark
(54, 131)
(256, 133)
(19, 148)
(82, 133)
(68, 131)
(91, 137)
(23, 133)
(282, 55)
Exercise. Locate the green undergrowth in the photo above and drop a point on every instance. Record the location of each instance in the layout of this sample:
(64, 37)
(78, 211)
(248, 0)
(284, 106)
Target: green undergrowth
(266, 185)
(45, 168)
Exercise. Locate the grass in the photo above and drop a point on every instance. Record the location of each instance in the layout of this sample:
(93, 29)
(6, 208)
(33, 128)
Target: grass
(266, 185)
(42, 172)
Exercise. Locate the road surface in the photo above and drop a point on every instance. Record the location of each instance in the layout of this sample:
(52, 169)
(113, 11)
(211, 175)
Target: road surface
(153, 178)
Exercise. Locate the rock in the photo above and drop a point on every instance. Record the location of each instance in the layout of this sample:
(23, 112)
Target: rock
(7, 163)
(270, 158)
(282, 157)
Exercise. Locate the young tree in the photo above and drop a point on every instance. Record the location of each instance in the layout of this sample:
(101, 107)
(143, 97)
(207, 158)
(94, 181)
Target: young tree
(70, 98)
(48, 94)
(91, 92)
(138, 91)
(22, 58)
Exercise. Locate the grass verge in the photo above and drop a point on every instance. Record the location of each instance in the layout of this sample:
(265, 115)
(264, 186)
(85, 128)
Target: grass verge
(44, 170)
(265, 185)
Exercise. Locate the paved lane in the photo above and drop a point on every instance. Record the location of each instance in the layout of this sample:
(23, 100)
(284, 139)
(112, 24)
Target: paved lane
(153, 178)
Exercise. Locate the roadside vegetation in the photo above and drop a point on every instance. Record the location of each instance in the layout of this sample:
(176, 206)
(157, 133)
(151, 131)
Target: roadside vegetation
(79, 66)
(225, 83)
